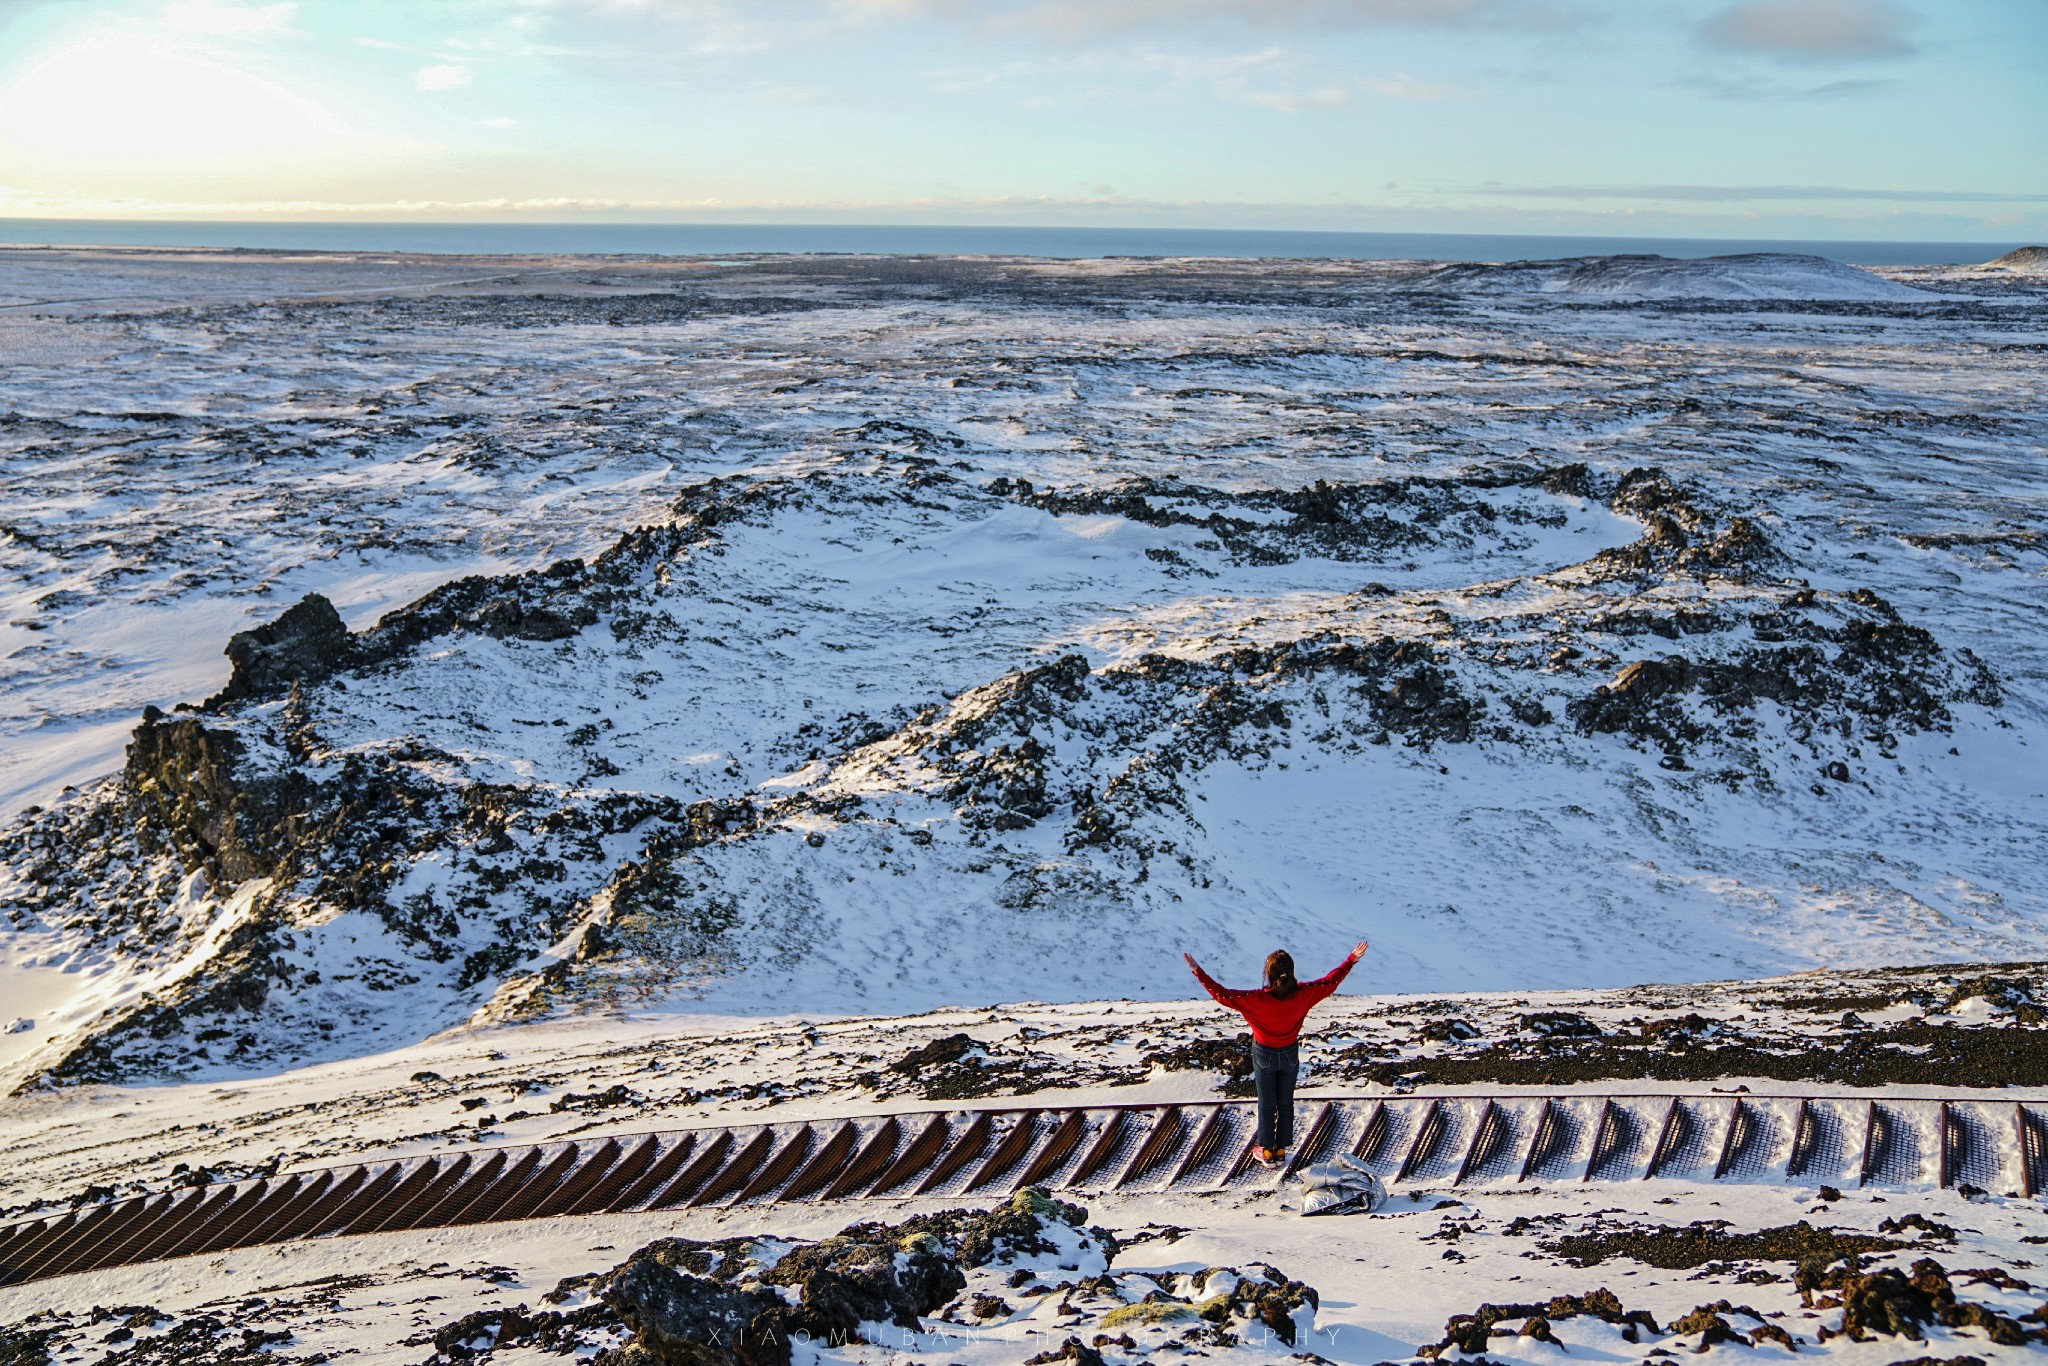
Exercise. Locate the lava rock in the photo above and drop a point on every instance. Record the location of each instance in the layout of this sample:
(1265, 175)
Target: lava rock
(678, 1319)
(306, 645)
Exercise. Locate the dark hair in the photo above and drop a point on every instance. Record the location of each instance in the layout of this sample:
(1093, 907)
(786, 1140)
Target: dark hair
(1280, 974)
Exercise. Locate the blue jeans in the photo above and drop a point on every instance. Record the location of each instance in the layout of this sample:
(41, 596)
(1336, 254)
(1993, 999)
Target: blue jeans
(1274, 1069)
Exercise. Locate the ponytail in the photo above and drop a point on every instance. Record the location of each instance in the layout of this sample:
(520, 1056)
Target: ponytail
(1280, 983)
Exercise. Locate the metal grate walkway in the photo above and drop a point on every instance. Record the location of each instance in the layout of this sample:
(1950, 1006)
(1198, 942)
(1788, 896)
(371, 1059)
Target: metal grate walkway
(1418, 1140)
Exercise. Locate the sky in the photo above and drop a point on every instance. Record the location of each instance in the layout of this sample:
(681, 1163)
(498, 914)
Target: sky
(1873, 119)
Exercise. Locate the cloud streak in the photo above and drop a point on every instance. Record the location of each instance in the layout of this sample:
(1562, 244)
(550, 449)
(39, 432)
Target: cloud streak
(712, 208)
(1811, 30)
(1743, 193)
(1080, 19)
(447, 76)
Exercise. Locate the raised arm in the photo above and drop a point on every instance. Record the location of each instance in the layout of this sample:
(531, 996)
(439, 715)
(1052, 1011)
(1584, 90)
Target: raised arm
(1212, 986)
(1334, 978)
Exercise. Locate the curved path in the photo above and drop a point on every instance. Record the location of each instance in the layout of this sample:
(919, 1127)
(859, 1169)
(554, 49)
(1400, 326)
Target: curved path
(1418, 1140)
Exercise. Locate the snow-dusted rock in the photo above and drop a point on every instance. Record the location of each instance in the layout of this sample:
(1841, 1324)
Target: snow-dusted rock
(1753, 275)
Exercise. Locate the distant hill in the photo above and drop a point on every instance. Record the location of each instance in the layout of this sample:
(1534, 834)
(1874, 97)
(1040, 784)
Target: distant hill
(2025, 261)
(1756, 275)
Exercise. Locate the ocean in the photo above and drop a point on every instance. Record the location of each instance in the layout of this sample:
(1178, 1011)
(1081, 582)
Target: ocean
(719, 239)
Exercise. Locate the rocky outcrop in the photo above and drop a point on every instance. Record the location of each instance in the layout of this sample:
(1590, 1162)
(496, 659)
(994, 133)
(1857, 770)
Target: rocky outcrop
(1864, 673)
(713, 1304)
(1887, 1302)
(1470, 1333)
(678, 1319)
(196, 787)
(2022, 261)
(1366, 520)
(307, 644)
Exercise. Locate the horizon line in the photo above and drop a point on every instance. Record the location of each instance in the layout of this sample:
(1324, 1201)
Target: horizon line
(845, 224)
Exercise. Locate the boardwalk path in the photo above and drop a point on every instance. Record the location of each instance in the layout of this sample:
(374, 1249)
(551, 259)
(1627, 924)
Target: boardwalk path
(2000, 1145)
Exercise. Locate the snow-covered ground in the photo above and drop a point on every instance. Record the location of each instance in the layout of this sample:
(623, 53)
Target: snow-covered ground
(1387, 1282)
(810, 642)
(1345, 555)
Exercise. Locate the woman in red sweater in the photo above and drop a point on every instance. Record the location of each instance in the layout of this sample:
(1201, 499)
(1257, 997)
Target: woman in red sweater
(1275, 1012)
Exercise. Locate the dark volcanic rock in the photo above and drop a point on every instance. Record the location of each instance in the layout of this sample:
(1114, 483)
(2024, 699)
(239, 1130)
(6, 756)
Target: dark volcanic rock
(978, 1237)
(194, 785)
(678, 1319)
(710, 1304)
(1469, 1332)
(1891, 1303)
(867, 1276)
(305, 645)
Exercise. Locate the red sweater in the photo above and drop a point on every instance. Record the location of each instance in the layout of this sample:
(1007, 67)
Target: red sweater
(1276, 1023)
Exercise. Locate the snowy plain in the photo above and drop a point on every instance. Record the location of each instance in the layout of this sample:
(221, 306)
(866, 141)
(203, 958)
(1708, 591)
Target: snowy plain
(895, 495)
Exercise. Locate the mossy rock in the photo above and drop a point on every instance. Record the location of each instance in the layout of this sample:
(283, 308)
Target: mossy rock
(1148, 1314)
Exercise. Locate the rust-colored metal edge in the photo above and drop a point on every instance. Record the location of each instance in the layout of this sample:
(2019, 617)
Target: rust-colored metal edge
(1944, 1137)
(657, 1176)
(1159, 1141)
(412, 1209)
(831, 1160)
(590, 1170)
(402, 1193)
(915, 1157)
(1803, 1118)
(963, 1150)
(86, 1235)
(2030, 1151)
(1733, 1139)
(1014, 1147)
(319, 1214)
(1321, 1130)
(1065, 1137)
(631, 1166)
(1539, 1140)
(1874, 1139)
(741, 1165)
(170, 1239)
(692, 1177)
(1426, 1134)
(1207, 1139)
(781, 1166)
(1374, 1134)
(536, 1188)
(1661, 1150)
(447, 1210)
(482, 1207)
(42, 1236)
(1601, 1129)
(1484, 1135)
(875, 1157)
(1102, 1149)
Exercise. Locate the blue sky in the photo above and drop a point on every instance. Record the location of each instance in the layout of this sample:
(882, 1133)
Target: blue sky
(1900, 119)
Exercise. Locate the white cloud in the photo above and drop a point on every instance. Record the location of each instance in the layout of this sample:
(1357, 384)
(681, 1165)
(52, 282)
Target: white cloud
(1811, 30)
(1293, 101)
(1402, 87)
(448, 76)
(213, 17)
(1068, 17)
(121, 103)
(735, 24)
(1406, 87)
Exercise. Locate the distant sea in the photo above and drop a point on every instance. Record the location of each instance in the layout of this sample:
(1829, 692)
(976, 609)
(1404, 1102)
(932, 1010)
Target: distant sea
(721, 239)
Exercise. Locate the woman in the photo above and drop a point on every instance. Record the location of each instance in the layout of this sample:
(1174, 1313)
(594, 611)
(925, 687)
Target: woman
(1275, 1012)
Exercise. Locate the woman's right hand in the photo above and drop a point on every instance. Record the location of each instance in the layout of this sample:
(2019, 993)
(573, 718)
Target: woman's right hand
(1359, 952)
